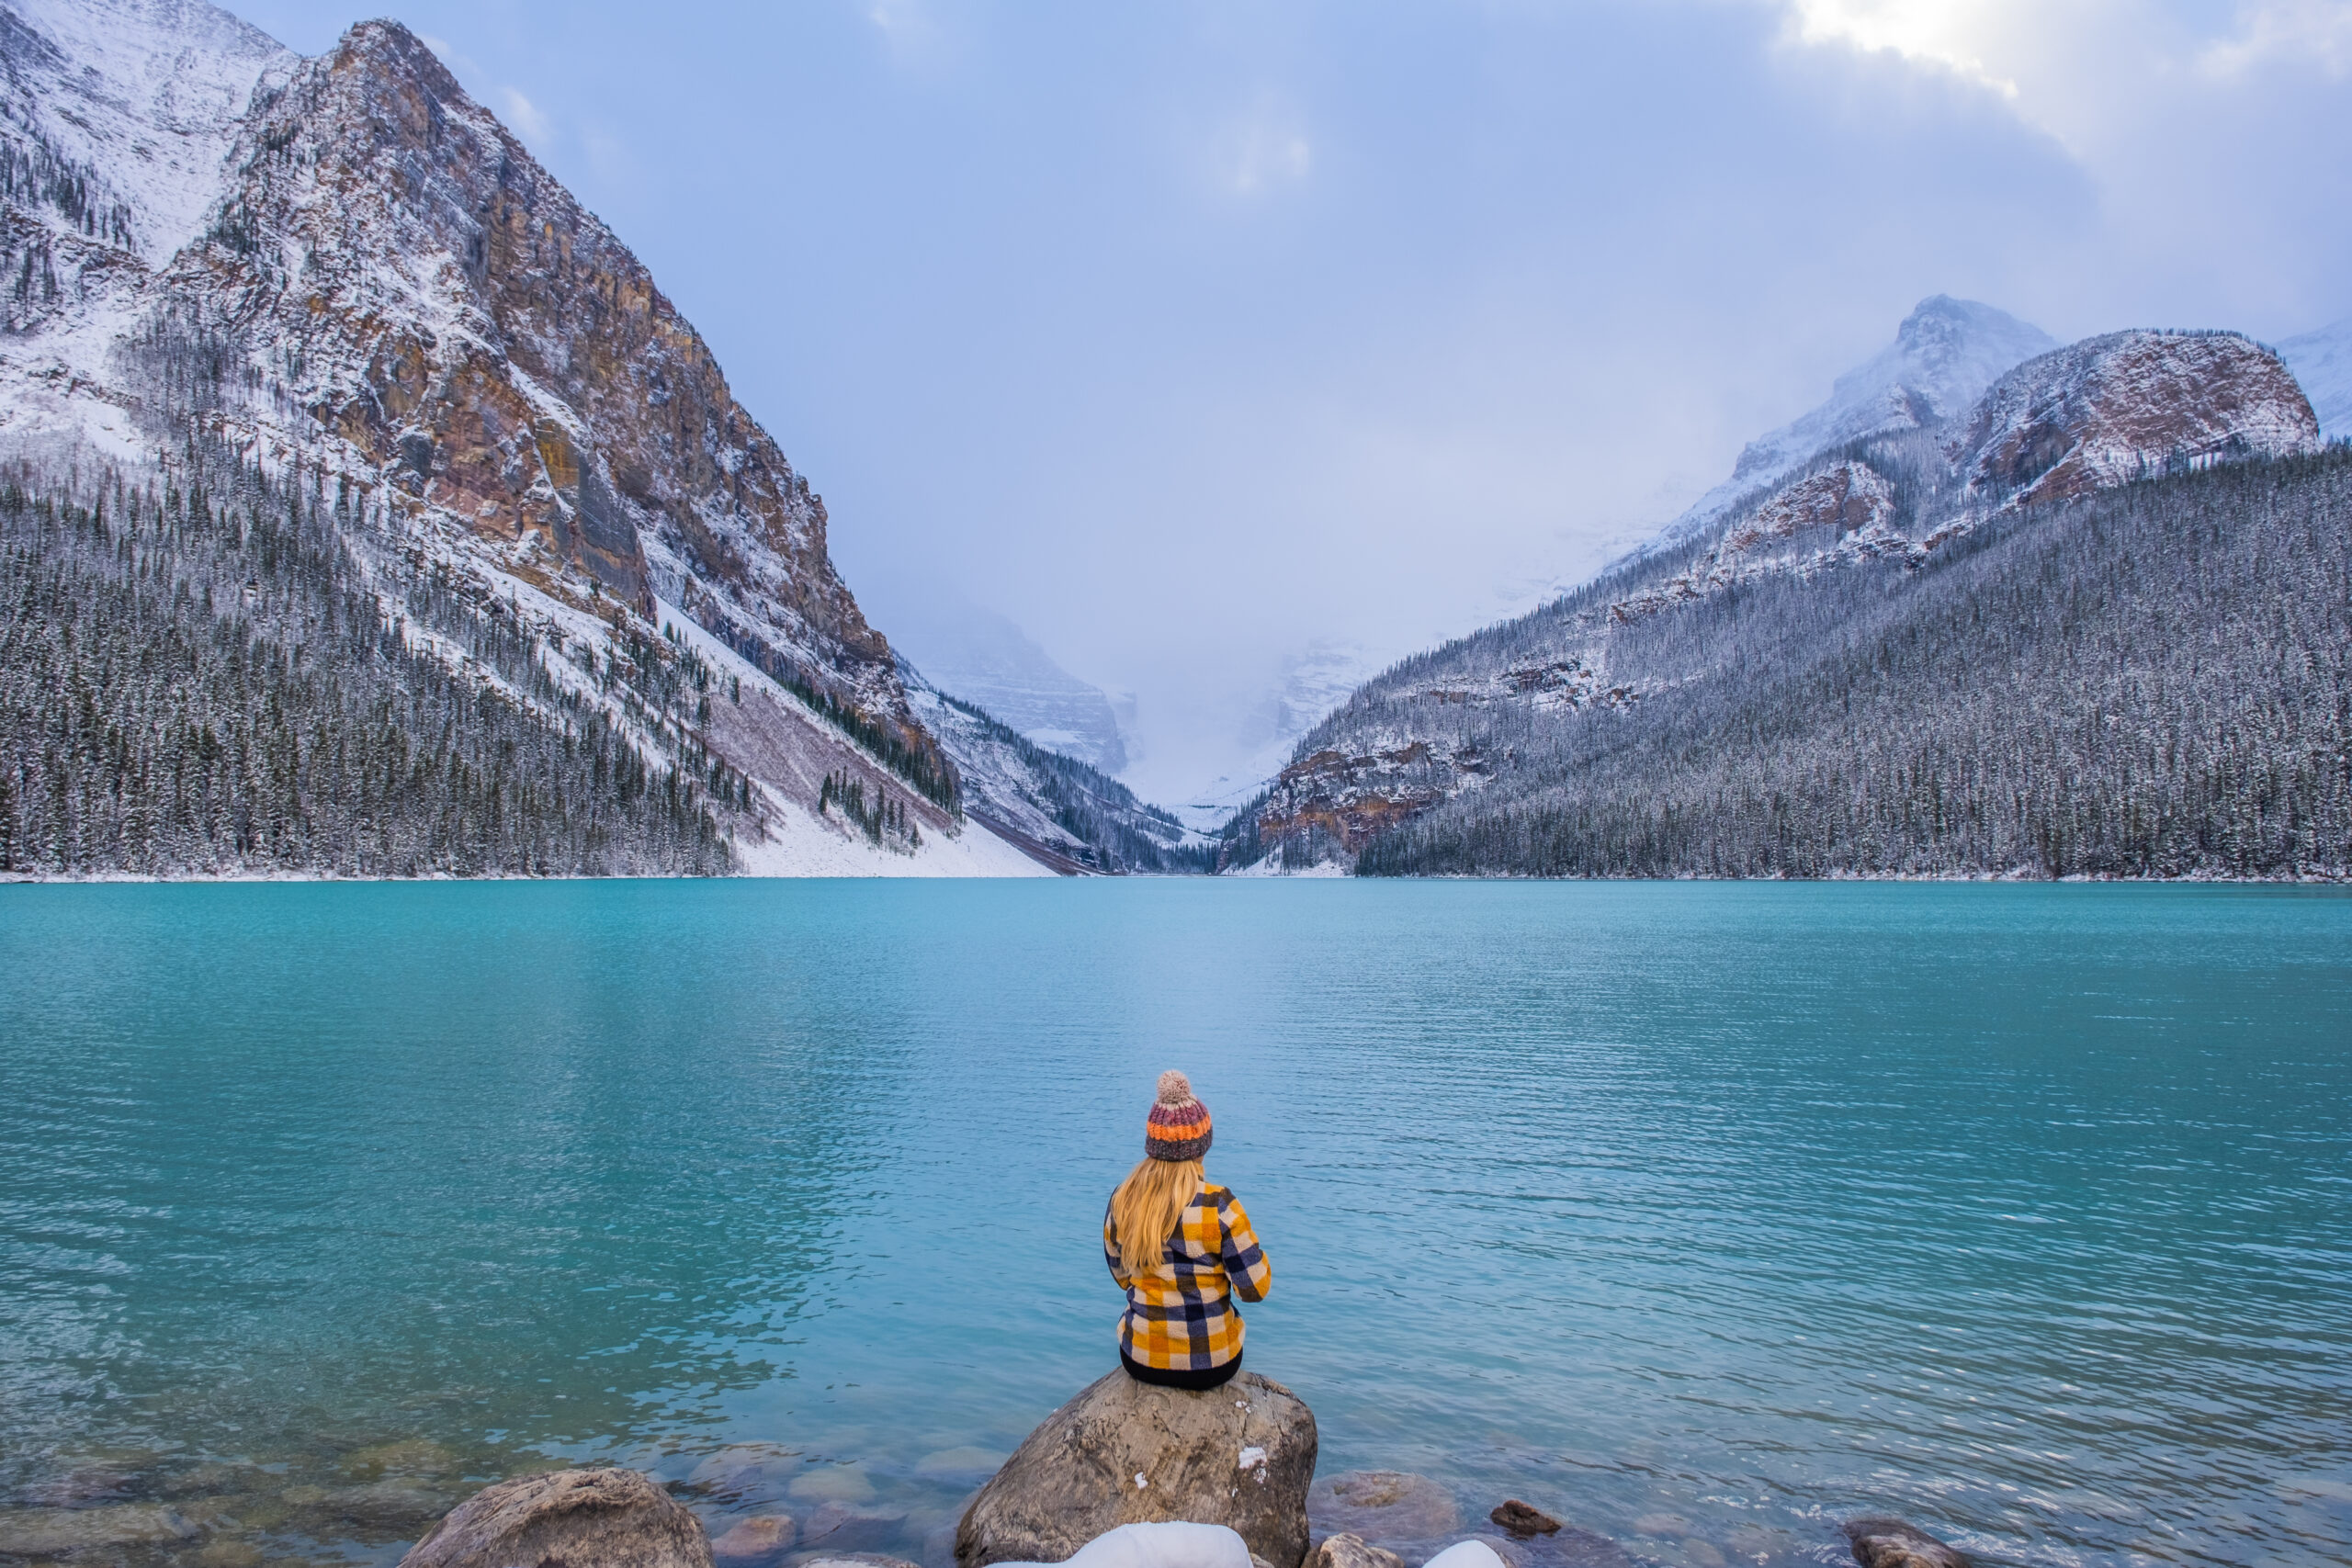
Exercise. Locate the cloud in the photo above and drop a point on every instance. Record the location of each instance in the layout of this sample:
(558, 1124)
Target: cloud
(1266, 151)
(2309, 32)
(1951, 33)
(525, 115)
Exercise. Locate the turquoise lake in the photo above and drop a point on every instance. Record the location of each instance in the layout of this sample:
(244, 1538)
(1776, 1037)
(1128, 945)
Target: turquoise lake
(1701, 1214)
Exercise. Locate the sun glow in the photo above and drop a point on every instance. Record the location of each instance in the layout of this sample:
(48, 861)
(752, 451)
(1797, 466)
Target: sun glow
(1952, 33)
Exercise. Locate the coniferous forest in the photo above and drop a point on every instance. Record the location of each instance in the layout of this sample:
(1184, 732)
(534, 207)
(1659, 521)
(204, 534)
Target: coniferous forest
(194, 679)
(2152, 682)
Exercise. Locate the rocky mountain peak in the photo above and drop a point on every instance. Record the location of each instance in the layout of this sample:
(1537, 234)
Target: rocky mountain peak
(409, 281)
(1945, 352)
(2124, 406)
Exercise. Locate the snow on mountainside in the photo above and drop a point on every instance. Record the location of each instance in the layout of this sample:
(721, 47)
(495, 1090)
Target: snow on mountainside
(2322, 361)
(2125, 406)
(985, 658)
(1446, 726)
(344, 269)
(1944, 355)
(149, 94)
(1065, 814)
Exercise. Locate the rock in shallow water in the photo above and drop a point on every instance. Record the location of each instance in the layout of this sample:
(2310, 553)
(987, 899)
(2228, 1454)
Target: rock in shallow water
(1125, 1452)
(844, 1527)
(1353, 1551)
(1892, 1544)
(578, 1518)
(1523, 1518)
(754, 1542)
(52, 1532)
(1381, 1506)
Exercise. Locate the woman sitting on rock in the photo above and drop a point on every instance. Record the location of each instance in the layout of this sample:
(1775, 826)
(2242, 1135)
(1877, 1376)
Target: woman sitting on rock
(1181, 1247)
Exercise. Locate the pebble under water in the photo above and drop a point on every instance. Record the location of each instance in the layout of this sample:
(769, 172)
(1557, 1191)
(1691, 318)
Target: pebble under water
(1700, 1215)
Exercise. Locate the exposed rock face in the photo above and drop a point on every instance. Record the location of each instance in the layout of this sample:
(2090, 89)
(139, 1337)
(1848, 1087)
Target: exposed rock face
(1348, 799)
(570, 1518)
(1839, 511)
(1944, 355)
(1125, 1452)
(1890, 1543)
(2113, 408)
(420, 287)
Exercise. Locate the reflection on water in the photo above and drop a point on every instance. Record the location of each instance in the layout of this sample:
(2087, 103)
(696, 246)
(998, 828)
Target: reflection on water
(1699, 1215)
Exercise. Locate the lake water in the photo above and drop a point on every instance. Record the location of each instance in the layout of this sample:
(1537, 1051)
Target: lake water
(1701, 1214)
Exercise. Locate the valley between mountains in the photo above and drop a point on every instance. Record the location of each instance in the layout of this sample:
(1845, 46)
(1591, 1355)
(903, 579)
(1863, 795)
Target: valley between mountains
(366, 510)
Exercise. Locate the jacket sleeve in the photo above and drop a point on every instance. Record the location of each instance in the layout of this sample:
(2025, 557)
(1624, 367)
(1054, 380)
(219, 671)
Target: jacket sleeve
(1245, 1268)
(1111, 1252)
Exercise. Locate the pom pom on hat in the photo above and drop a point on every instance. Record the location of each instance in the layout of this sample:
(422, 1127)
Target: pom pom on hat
(1179, 1129)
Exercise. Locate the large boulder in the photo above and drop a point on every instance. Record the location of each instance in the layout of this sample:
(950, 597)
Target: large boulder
(570, 1518)
(1125, 1452)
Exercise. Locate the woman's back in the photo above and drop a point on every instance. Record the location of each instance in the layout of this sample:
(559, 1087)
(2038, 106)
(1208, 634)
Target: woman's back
(1180, 1325)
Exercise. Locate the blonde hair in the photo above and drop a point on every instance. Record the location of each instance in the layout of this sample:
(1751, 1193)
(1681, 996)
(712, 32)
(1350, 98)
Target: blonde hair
(1146, 1207)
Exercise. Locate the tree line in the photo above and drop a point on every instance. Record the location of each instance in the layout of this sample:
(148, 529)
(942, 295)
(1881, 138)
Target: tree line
(197, 678)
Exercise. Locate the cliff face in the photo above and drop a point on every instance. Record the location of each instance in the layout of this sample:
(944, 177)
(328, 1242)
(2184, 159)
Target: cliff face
(2124, 406)
(341, 281)
(413, 282)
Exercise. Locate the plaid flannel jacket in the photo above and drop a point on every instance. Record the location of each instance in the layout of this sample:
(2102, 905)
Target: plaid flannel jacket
(1179, 1316)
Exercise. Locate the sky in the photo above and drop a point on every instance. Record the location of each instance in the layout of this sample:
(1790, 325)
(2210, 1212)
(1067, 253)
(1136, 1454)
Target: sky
(1190, 336)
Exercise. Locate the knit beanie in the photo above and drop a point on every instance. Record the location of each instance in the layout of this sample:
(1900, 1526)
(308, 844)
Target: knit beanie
(1179, 1129)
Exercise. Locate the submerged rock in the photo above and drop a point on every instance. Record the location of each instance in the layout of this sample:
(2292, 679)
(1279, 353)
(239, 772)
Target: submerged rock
(844, 1560)
(754, 1541)
(1379, 1505)
(850, 1528)
(1127, 1452)
(577, 1519)
(1523, 1518)
(52, 1532)
(1881, 1543)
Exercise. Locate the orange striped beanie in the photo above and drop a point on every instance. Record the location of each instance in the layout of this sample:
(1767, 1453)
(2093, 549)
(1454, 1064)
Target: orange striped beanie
(1179, 1128)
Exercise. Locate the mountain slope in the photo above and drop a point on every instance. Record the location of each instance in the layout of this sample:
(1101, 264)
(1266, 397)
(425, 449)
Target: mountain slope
(1692, 642)
(2148, 682)
(987, 660)
(374, 285)
(1944, 355)
(1064, 813)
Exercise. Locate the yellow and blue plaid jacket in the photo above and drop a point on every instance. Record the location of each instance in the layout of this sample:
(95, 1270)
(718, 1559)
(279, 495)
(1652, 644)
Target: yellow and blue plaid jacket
(1181, 1316)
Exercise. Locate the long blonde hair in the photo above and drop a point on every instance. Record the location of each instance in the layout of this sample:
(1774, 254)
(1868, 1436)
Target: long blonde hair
(1146, 1208)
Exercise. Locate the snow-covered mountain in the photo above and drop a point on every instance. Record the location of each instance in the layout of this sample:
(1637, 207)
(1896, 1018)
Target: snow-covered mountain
(1683, 632)
(1064, 813)
(982, 657)
(222, 256)
(1944, 355)
(2322, 361)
